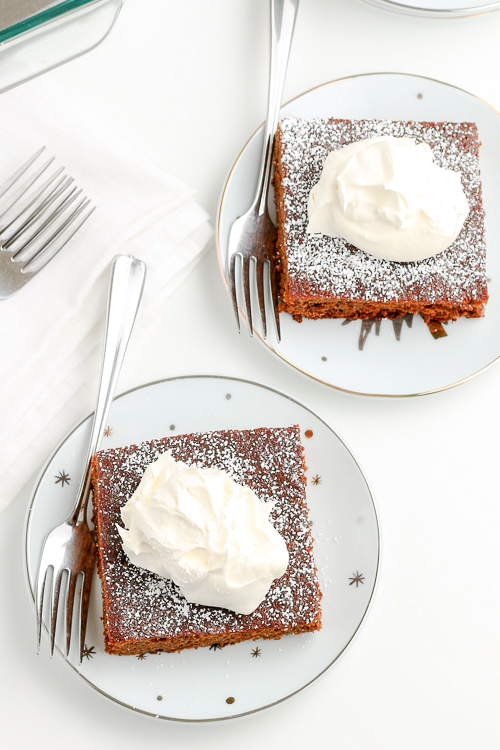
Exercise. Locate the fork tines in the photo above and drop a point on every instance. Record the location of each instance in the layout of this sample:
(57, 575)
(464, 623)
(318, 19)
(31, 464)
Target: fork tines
(39, 213)
(252, 243)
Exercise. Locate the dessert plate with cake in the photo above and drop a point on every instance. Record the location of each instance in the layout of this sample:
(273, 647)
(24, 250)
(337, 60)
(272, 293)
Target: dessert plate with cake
(385, 188)
(232, 635)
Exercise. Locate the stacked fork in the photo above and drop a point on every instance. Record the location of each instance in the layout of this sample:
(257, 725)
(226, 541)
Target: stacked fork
(36, 221)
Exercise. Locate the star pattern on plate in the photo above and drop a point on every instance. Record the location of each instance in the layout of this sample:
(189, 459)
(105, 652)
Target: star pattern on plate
(108, 431)
(88, 652)
(141, 656)
(316, 479)
(215, 646)
(63, 478)
(257, 651)
(357, 578)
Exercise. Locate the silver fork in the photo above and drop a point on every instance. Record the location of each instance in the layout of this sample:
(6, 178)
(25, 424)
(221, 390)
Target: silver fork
(70, 547)
(253, 235)
(35, 224)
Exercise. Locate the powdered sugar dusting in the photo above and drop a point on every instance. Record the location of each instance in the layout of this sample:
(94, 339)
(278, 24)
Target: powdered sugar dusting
(319, 266)
(143, 605)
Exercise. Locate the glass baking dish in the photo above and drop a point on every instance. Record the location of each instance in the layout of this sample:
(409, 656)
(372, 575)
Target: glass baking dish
(38, 35)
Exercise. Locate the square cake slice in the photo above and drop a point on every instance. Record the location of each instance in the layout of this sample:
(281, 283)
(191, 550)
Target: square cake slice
(144, 612)
(325, 277)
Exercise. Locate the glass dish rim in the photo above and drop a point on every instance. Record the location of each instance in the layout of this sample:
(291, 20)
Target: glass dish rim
(44, 17)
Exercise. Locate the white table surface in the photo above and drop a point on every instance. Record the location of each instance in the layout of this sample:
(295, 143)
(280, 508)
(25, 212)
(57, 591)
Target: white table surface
(190, 81)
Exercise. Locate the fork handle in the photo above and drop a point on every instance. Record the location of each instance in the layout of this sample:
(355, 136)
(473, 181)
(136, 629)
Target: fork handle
(283, 15)
(124, 295)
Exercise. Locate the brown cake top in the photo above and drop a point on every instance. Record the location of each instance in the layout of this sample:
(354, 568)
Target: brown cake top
(141, 604)
(320, 266)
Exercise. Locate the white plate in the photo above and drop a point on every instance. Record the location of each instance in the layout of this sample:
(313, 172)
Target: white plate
(437, 8)
(195, 685)
(328, 351)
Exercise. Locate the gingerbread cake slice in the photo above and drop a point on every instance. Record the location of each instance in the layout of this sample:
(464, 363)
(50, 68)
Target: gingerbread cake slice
(325, 277)
(143, 612)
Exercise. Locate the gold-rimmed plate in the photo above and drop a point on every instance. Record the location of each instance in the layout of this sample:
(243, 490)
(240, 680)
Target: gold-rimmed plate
(437, 8)
(210, 684)
(384, 359)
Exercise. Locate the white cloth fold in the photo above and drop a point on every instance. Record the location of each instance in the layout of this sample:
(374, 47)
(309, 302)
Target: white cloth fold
(52, 329)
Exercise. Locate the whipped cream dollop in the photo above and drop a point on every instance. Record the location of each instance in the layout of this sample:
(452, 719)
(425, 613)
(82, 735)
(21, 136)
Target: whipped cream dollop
(386, 196)
(210, 535)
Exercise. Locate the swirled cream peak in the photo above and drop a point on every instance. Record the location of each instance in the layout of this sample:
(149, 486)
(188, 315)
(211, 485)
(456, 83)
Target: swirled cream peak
(386, 196)
(210, 535)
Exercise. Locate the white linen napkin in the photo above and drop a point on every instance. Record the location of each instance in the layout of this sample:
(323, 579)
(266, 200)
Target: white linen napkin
(51, 329)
